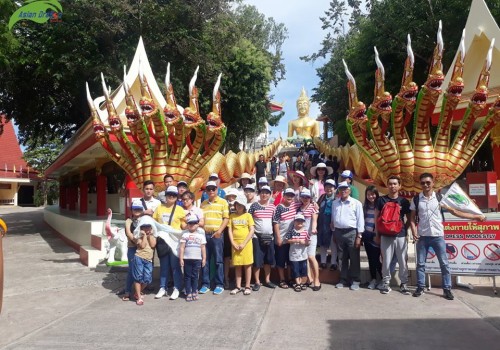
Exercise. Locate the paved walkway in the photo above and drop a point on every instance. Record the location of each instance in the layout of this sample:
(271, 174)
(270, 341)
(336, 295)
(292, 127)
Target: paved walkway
(51, 301)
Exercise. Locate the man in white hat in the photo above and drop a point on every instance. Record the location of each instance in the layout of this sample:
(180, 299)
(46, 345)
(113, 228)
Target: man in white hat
(220, 192)
(347, 177)
(250, 195)
(348, 224)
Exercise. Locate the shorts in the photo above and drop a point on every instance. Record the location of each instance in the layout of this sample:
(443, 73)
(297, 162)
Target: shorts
(299, 268)
(281, 255)
(311, 248)
(142, 270)
(263, 254)
(227, 244)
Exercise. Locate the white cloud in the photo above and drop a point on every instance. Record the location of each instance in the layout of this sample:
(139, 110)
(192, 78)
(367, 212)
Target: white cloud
(305, 35)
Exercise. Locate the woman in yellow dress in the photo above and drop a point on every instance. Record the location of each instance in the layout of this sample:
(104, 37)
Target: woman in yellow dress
(241, 229)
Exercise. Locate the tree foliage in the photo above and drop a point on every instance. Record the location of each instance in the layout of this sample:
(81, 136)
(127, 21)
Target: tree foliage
(45, 85)
(354, 27)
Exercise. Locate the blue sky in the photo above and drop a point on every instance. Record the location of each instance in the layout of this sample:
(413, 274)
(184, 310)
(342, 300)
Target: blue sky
(304, 38)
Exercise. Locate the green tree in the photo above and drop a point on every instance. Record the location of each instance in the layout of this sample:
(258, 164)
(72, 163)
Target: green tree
(39, 158)
(44, 85)
(385, 26)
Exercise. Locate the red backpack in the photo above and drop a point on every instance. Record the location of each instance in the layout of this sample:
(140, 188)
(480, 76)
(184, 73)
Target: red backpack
(389, 220)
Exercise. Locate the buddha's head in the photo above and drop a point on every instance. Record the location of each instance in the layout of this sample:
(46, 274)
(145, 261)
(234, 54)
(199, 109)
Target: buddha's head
(303, 104)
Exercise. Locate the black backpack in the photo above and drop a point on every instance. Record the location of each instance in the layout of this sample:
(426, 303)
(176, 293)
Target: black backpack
(416, 200)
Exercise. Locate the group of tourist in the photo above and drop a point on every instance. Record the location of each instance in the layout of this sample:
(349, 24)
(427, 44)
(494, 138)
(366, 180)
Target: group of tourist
(264, 224)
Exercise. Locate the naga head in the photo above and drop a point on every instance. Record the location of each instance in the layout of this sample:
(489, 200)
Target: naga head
(131, 109)
(214, 119)
(357, 109)
(436, 77)
(172, 114)
(456, 85)
(113, 120)
(147, 104)
(382, 99)
(97, 125)
(409, 89)
(480, 96)
(191, 114)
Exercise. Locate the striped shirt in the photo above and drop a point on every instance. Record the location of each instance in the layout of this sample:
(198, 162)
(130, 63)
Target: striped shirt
(284, 216)
(263, 217)
(369, 219)
(214, 213)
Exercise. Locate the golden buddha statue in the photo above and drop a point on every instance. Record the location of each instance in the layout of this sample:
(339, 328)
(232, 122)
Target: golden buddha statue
(304, 126)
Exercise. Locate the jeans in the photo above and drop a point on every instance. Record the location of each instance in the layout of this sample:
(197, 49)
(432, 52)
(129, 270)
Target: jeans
(143, 270)
(167, 263)
(130, 278)
(191, 275)
(215, 249)
(439, 246)
(351, 265)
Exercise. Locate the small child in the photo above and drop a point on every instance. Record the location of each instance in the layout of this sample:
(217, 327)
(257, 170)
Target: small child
(298, 238)
(241, 229)
(145, 240)
(192, 255)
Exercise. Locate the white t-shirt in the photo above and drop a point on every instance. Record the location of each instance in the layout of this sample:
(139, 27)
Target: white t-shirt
(194, 241)
(152, 204)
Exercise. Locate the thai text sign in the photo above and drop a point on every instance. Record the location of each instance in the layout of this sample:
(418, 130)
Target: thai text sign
(473, 248)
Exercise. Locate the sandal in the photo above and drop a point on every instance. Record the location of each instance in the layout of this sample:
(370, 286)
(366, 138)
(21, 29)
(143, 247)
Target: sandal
(304, 286)
(297, 288)
(256, 287)
(126, 297)
(247, 291)
(236, 291)
(140, 302)
(270, 285)
(283, 285)
(189, 297)
(195, 297)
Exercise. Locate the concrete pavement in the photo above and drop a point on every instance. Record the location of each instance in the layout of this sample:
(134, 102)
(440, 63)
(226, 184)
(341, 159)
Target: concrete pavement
(51, 301)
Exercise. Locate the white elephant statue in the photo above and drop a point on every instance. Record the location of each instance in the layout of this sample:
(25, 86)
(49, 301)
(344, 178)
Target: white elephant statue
(117, 240)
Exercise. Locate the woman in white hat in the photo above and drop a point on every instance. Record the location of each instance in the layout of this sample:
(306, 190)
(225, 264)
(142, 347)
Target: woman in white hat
(299, 182)
(245, 179)
(319, 175)
(278, 185)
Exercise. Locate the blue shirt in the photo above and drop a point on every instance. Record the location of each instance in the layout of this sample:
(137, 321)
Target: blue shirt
(348, 214)
(220, 192)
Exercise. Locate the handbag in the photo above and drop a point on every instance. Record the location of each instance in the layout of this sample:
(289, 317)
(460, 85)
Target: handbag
(162, 248)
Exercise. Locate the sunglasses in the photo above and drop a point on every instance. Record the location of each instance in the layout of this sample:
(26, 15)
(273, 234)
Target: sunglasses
(423, 183)
(211, 189)
(171, 195)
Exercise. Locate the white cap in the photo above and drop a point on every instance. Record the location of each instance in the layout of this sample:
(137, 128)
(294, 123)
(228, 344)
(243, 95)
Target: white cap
(193, 219)
(137, 205)
(182, 183)
(241, 200)
(250, 187)
(346, 174)
(265, 188)
(211, 184)
(263, 180)
(330, 182)
(299, 216)
(232, 192)
(171, 189)
(213, 175)
(289, 190)
(343, 184)
(305, 193)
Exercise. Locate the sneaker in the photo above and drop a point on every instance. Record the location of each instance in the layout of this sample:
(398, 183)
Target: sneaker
(354, 286)
(218, 290)
(448, 295)
(380, 285)
(339, 285)
(204, 290)
(418, 292)
(404, 289)
(385, 289)
(372, 284)
(161, 293)
(175, 294)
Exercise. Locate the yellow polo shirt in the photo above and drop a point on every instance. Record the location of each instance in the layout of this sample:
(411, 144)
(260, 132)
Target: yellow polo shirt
(214, 213)
(162, 215)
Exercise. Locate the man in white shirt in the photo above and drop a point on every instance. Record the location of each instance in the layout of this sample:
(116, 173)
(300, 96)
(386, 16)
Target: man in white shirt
(348, 223)
(150, 202)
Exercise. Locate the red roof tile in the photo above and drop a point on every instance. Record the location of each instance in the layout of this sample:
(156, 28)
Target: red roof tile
(11, 156)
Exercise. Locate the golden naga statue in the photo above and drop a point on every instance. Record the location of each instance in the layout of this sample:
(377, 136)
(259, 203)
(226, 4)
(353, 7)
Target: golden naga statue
(380, 131)
(304, 126)
(168, 139)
